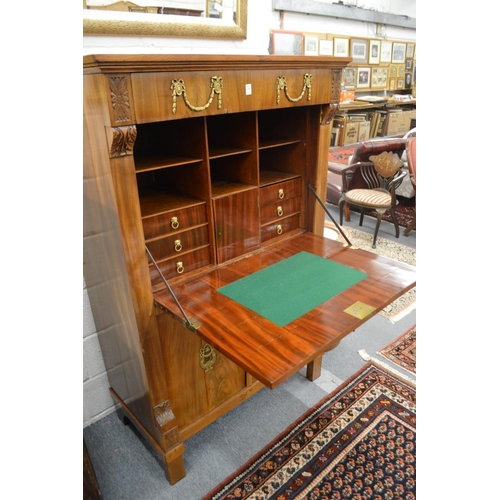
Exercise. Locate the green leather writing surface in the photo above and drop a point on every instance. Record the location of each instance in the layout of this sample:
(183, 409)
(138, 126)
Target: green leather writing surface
(285, 291)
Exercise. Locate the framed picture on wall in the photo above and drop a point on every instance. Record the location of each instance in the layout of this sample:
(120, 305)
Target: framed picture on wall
(288, 43)
(401, 83)
(311, 44)
(398, 52)
(359, 50)
(408, 80)
(326, 47)
(401, 70)
(409, 64)
(392, 84)
(374, 57)
(379, 78)
(341, 47)
(348, 78)
(393, 70)
(363, 78)
(385, 52)
(410, 50)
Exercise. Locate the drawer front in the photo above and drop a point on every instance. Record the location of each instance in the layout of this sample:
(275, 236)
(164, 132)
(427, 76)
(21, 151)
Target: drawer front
(175, 220)
(278, 228)
(179, 243)
(280, 191)
(176, 266)
(279, 210)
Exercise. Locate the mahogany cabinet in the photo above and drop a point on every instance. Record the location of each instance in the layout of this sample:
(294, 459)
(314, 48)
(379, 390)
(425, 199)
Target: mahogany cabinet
(205, 162)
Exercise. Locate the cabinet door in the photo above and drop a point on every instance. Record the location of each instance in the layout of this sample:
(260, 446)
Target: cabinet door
(236, 224)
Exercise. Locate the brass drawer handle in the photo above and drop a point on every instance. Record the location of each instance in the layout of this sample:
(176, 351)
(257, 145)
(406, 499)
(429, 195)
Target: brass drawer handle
(180, 267)
(279, 229)
(177, 245)
(174, 223)
(279, 211)
(281, 194)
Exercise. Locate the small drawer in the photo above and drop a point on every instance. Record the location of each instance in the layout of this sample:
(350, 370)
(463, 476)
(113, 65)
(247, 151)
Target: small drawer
(178, 266)
(279, 210)
(278, 228)
(280, 191)
(174, 220)
(178, 243)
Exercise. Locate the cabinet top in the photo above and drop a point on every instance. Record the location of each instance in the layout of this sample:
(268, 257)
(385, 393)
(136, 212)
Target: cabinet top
(133, 63)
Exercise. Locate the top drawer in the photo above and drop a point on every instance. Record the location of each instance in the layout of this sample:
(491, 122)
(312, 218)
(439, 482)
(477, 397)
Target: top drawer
(174, 220)
(280, 191)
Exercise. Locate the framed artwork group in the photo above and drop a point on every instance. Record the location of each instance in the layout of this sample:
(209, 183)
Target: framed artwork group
(376, 64)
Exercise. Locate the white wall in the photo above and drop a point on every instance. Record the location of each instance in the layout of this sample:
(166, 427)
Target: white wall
(97, 401)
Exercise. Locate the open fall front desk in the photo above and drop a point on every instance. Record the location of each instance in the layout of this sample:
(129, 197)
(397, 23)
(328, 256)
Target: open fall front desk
(272, 353)
(210, 163)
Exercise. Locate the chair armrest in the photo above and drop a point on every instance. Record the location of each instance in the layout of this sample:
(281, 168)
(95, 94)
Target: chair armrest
(348, 173)
(396, 181)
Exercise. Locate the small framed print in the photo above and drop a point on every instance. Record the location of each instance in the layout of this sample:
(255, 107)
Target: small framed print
(386, 52)
(409, 64)
(379, 78)
(288, 43)
(341, 47)
(408, 80)
(401, 70)
(363, 78)
(326, 47)
(401, 83)
(392, 84)
(348, 78)
(311, 44)
(359, 50)
(374, 52)
(393, 70)
(410, 50)
(398, 52)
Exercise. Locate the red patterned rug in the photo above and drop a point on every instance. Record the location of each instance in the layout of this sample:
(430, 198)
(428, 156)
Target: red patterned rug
(403, 351)
(405, 209)
(359, 442)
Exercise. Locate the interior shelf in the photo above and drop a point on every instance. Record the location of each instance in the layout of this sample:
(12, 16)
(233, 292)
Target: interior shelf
(268, 177)
(223, 152)
(155, 201)
(147, 164)
(274, 143)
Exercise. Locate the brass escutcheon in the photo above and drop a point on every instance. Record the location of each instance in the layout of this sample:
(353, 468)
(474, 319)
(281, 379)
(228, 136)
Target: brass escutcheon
(177, 245)
(279, 229)
(207, 357)
(279, 211)
(180, 267)
(281, 194)
(174, 222)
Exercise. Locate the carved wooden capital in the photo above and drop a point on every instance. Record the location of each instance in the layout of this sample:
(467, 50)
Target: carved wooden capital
(163, 415)
(329, 111)
(121, 141)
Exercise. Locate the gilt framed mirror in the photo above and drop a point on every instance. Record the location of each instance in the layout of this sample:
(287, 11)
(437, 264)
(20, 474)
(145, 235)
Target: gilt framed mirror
(220, 19)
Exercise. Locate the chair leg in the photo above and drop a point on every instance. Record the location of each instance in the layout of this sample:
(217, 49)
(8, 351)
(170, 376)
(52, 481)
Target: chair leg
(396, 225)
(341, 210)
(411, 225)
(361, 217)
(379, 220)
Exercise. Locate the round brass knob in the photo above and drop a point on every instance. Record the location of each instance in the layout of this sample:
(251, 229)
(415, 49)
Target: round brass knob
(180, 267)
(174, 222)
(177, 245)
(279, 229)
(281, 194)
(279, 211)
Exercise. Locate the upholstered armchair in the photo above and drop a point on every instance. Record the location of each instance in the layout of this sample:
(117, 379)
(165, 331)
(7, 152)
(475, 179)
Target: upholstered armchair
(372, 185)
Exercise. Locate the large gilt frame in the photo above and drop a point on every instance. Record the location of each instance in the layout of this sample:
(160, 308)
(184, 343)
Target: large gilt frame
(99, 22)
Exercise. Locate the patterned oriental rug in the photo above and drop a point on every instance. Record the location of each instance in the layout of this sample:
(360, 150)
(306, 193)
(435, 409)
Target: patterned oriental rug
(359, 442)
(386, 248)
(403, 351)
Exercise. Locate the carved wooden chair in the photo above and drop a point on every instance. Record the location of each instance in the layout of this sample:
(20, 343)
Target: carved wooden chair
(381, 176)
(411, 159)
